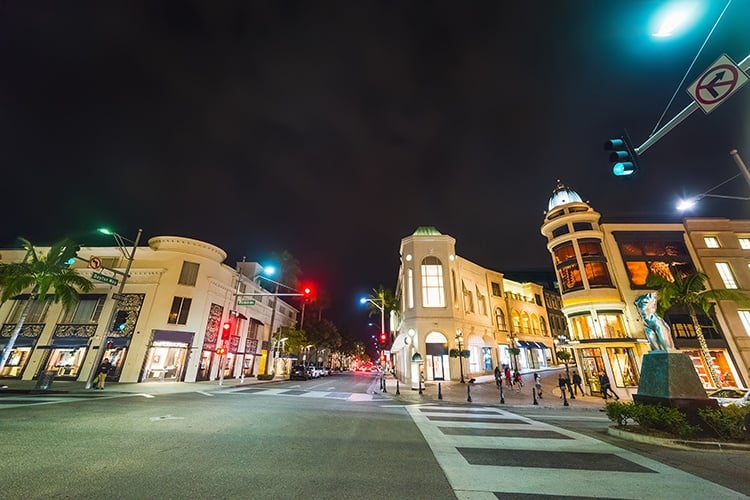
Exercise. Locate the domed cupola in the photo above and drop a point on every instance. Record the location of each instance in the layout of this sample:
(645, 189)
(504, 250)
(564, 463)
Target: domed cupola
(562, 195)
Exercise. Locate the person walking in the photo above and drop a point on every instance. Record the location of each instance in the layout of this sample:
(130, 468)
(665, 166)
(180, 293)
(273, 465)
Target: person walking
(577, 383)
(562, 384)
(104, 370)
(538, 385)
(606, 386)
(508, 380)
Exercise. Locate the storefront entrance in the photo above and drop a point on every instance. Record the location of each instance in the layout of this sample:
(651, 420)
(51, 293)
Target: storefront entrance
(436, 359)
(166, 358)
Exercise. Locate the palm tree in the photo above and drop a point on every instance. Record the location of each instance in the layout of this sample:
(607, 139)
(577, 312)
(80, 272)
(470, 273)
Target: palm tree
(689, 292)
(41, 274)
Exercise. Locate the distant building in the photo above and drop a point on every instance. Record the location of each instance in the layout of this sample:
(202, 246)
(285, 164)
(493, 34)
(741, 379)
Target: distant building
(449, 304)
(602, 268)
(166, 327)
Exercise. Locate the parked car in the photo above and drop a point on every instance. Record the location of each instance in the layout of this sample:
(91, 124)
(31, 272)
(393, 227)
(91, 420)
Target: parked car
(299, 372)
(729, 396)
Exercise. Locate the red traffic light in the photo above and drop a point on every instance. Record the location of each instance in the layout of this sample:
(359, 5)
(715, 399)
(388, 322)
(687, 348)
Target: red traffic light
(226, 330)
(221, 351)
(383, 337)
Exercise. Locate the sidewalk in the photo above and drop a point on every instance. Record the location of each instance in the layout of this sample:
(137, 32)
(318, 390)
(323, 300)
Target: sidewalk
(484, 392)
(72, 387)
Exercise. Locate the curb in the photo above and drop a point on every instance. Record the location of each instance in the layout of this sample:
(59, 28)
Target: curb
(676, 443)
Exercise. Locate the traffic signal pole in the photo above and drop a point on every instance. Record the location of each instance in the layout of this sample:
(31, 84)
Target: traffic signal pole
(680, 117)
(117, 297)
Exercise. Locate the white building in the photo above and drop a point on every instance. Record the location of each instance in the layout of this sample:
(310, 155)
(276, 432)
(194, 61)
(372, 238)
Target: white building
(449, 304)
(167, 325)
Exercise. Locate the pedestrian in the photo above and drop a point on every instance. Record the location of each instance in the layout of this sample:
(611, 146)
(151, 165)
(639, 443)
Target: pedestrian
(606, 386)
(508, 380)
(517, 377)
(104, 370)
(561, 384)
(569, 385)
(577, 383)
(538, 385)
(498, 377)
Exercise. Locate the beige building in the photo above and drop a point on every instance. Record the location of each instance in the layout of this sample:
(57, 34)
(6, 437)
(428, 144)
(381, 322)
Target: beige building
(602, 269)
(449, 304)
(166, 326)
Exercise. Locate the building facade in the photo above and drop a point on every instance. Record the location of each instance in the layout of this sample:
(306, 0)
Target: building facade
(450, 305)
(165, 326)
(602, 268)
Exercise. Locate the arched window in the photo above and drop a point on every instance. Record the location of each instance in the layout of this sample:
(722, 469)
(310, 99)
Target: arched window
(525, 323)
(543, 326)
(433, 293)
(500, 318)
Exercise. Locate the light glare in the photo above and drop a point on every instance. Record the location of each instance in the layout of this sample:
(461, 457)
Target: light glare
(674, 18)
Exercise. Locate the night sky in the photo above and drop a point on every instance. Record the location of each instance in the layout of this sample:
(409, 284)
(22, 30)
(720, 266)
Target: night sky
(334, 129)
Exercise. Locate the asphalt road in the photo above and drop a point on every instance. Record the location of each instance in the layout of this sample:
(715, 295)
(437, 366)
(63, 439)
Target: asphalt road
(334, 437)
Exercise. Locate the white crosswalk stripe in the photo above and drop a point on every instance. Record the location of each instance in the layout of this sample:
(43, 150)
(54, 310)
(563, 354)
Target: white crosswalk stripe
(487, 452)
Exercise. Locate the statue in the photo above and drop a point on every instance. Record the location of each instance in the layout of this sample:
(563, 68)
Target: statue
(657, 330)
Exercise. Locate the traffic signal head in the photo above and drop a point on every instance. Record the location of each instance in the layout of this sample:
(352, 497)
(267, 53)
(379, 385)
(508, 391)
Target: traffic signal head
(307, 293)
(622, 156)
(383, 337)
(226, 330)
(121, 320)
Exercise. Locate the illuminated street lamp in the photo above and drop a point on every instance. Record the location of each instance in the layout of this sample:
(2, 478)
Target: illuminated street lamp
(459, 339)
(117, 297)
(688, 203)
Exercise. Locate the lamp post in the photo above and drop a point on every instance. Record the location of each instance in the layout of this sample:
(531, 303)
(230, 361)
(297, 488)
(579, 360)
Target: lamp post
(689, 203)
(381, 308)
(459, 339)
(117, 297)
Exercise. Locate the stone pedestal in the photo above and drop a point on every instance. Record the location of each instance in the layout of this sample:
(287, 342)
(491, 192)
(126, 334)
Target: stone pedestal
(668, 378)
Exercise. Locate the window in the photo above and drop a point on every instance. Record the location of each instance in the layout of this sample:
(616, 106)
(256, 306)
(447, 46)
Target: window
(744, 243)
(36, 312)
(611, 324)
(745, 318)
(410, 289)
(189, 273)
(711, 241)
(496, 289)
(570, 277)
(180, 309)
(683, 328)
(481, 303)
(560, 231)
(543, 326)
(87, 310)
(594, 263)
(432, 283)
(500, 319)
(653, 252)
(726, 275)
(468, 299)
(582, 226)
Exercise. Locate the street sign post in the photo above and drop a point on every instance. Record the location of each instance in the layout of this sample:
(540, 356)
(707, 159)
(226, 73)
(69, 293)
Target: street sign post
(722, 79)
(105, 279)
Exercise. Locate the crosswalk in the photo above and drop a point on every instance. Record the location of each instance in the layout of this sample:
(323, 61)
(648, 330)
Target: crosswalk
(489, 453)
(301, 393)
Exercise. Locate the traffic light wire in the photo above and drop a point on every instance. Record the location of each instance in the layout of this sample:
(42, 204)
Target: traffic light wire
(682, 82)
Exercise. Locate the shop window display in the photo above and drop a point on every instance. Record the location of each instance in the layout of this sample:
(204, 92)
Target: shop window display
(624, 366)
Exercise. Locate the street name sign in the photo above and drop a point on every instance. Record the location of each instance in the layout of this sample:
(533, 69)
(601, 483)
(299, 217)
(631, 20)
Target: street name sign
(722, 79)
(104, 278)
(245, 302)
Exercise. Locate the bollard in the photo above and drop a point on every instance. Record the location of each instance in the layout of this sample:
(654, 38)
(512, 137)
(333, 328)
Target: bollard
(565, 398)
(440, 390)
(502, 395)
(385, 389)
(420, 386)
(533, 391)
(398, 392)
(468, 392)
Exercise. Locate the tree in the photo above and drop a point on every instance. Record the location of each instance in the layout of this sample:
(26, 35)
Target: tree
(688, 291)
(40, 275)
(565, 357)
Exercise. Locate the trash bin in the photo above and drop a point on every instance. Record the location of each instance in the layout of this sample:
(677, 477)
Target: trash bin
(45, 380)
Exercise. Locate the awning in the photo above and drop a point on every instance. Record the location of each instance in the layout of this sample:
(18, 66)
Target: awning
(522, 343)
(399, 343)
(21, 341)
